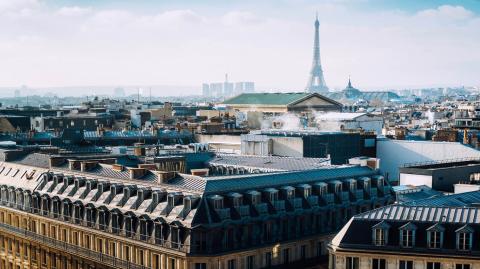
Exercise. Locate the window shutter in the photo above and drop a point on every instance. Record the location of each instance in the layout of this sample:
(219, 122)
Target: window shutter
(458, 240)
(429, 239)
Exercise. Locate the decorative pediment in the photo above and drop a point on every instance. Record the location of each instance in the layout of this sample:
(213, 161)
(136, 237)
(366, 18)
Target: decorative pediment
(436, 228)
(408, 226)
(464, 229)
(382, 225)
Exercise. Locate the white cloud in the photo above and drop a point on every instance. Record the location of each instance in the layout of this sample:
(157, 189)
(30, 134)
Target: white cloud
(447, 12)
(176, 16)
(74, 11)
(241, 18)
(16, 5)
(91, 46)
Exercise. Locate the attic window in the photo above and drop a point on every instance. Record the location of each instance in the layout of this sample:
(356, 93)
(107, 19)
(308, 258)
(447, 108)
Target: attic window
(322, 190)
(338, 188)
(171, 201)
(218, 203)
(380, 233)
(187, 204)
(353, 186)
(379, 237)
(407, 235)
(435, 236)
(464, 238)
(255, 199)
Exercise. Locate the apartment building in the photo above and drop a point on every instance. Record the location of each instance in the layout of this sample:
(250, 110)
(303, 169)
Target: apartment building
(62, 212)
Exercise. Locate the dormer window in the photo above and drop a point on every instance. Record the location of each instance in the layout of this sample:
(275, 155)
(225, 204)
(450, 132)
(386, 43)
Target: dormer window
(435, 236)
(255, 199)
(464, 238)
(171, 201)
(290, 194)
(352, 185)
(380, 233)
(271, 194)
(322, 190)
(337, 188)
(366, 184)
(379, 237)
(407, 235)
(187, 204)
(237, 201)
(305, 190)
(217, 202)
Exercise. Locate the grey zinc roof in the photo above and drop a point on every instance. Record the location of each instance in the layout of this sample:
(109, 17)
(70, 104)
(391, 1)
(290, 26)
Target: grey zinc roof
(434, 214)
(269, 162)
(459, 199)
(35, 159)
(257, 181)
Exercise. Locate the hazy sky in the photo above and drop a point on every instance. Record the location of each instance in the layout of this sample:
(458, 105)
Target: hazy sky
(381, 44)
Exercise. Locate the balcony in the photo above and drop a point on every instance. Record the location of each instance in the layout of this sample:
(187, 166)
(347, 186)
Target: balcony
(279, 206)
(261, 208)
(373, 193)
(313, 201)
(223, 213)
(72, 249)
(343, 197)
(328, 198)
(296, 203)
(243, 210)
(358, 195)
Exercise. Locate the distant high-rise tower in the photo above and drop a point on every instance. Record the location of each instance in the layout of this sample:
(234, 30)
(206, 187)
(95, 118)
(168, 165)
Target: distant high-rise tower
(316, 82)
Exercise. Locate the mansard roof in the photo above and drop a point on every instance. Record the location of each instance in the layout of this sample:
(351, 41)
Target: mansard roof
(449, 220)
(115, 192)
(221, 184)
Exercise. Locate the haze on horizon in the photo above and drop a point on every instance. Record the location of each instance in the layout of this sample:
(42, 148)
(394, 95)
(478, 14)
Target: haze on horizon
(380, 44)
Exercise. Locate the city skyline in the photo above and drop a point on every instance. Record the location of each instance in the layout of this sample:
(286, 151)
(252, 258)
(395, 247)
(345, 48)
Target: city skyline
(186, 43)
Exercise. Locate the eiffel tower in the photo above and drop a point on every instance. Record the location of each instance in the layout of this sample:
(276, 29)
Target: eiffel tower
(316, 82)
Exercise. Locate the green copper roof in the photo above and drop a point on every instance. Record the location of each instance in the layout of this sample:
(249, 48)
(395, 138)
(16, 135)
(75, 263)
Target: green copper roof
(266, 98)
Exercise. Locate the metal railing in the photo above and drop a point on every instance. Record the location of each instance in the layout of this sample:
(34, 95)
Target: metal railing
(72, 249)
(436, 162)
(102, 227)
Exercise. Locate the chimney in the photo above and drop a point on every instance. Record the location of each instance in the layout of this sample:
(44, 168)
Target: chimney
(136, 173)
(107, 161)
(88, 165)
(163, 177)
(139, 149)
(117, 167)
(203, 172)
(55, 161)
(74, 164)
(148, 166)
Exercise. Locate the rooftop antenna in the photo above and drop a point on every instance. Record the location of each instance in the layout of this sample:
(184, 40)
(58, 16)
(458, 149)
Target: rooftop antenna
(150, 95)
(138, 95)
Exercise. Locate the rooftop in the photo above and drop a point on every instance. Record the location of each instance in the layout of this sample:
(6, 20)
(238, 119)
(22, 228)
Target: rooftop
(266, 98)
(273, 163)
